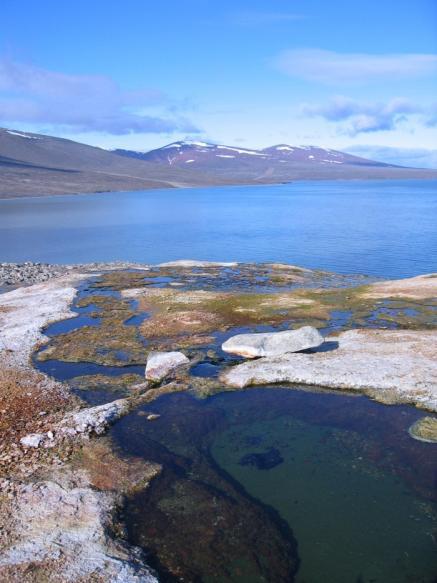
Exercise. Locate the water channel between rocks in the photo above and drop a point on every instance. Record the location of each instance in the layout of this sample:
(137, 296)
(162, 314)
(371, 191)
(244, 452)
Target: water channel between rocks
(274, 484)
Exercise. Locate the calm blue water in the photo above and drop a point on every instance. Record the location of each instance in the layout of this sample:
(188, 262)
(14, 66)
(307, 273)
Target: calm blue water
(385, 228)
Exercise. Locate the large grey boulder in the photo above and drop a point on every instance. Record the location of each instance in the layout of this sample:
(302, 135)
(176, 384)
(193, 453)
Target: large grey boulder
(161, 364)
(273, 343)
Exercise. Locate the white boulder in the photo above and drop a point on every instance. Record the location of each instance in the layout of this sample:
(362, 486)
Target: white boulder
(160, 364)
(273, 343)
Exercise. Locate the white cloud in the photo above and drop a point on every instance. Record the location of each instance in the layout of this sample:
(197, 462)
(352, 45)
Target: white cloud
(331, 67)
(79, 103)
(363, 117)
(414, 157)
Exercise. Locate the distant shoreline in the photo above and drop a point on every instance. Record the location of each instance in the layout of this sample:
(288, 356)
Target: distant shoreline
(208, 186)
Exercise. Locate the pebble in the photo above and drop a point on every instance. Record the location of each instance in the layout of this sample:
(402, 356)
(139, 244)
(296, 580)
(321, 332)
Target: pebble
(153, 416)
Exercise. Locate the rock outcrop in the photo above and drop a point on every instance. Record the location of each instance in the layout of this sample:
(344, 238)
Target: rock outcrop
(61, 527)
(273, 343)
(391, 366)
(26, 310)
(416, 288)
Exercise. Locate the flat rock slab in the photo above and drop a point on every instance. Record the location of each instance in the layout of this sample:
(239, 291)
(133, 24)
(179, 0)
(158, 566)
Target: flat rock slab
(273, 343)
(417, 288)
(391, 366)
(65, 529)
(161, 364)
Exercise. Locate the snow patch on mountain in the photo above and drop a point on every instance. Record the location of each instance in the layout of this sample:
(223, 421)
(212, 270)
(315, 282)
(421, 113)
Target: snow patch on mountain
(242, 151)
(21, 135)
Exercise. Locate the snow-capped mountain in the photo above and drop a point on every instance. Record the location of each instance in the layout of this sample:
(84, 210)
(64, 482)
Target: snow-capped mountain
(36, 164)
(206, 155)
(316, 155)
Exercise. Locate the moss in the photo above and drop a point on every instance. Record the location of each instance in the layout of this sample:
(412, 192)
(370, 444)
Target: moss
(184, 319)
(111, 343)
(99, 381)
(119, 280)
(369, 312)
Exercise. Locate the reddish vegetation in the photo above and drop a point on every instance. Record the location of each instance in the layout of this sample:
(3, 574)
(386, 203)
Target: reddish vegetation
(108, 471)
(29, 403)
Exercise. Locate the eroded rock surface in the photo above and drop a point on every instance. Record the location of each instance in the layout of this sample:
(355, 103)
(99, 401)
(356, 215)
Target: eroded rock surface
(61, 530)
(273, 343)
(391, 366)
(27, 310)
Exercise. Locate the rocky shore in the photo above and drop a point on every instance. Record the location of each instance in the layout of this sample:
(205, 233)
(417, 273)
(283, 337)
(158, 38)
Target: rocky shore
(62, 483)
(29, 273)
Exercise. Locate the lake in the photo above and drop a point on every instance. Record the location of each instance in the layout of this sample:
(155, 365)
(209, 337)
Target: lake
(382, 228)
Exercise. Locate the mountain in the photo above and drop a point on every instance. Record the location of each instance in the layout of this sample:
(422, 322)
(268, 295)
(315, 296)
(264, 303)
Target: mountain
(204, 155)
(34, 164)
(315, 155)
(276, 164)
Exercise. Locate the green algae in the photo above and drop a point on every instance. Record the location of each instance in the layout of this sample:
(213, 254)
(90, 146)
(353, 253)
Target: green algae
(186, 317)
(367, 312)
(111, 343)
(109, 383)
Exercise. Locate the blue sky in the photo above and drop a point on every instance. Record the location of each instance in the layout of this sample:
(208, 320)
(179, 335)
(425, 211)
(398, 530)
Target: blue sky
(137, 74)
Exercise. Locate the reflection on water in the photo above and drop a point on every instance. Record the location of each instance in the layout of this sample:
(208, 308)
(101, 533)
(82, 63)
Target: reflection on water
(355, 491)
(347, 227)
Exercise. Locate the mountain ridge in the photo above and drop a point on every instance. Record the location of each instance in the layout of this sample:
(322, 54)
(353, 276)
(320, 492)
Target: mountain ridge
(36, 164)
(175, 153)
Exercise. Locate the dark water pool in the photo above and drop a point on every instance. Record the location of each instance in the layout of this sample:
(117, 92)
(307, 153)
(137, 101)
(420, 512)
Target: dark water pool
(260, 484)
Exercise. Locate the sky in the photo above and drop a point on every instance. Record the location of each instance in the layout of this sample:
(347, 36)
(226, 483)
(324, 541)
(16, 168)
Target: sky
(358, 76)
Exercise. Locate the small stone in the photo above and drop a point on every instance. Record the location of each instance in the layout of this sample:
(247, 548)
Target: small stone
(50, 434)
(161, 364)
(32, 440)
(153, 416)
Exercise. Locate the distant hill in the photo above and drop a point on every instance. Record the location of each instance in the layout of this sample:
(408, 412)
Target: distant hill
(34, 164)
(213, 156)
(280, 163)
